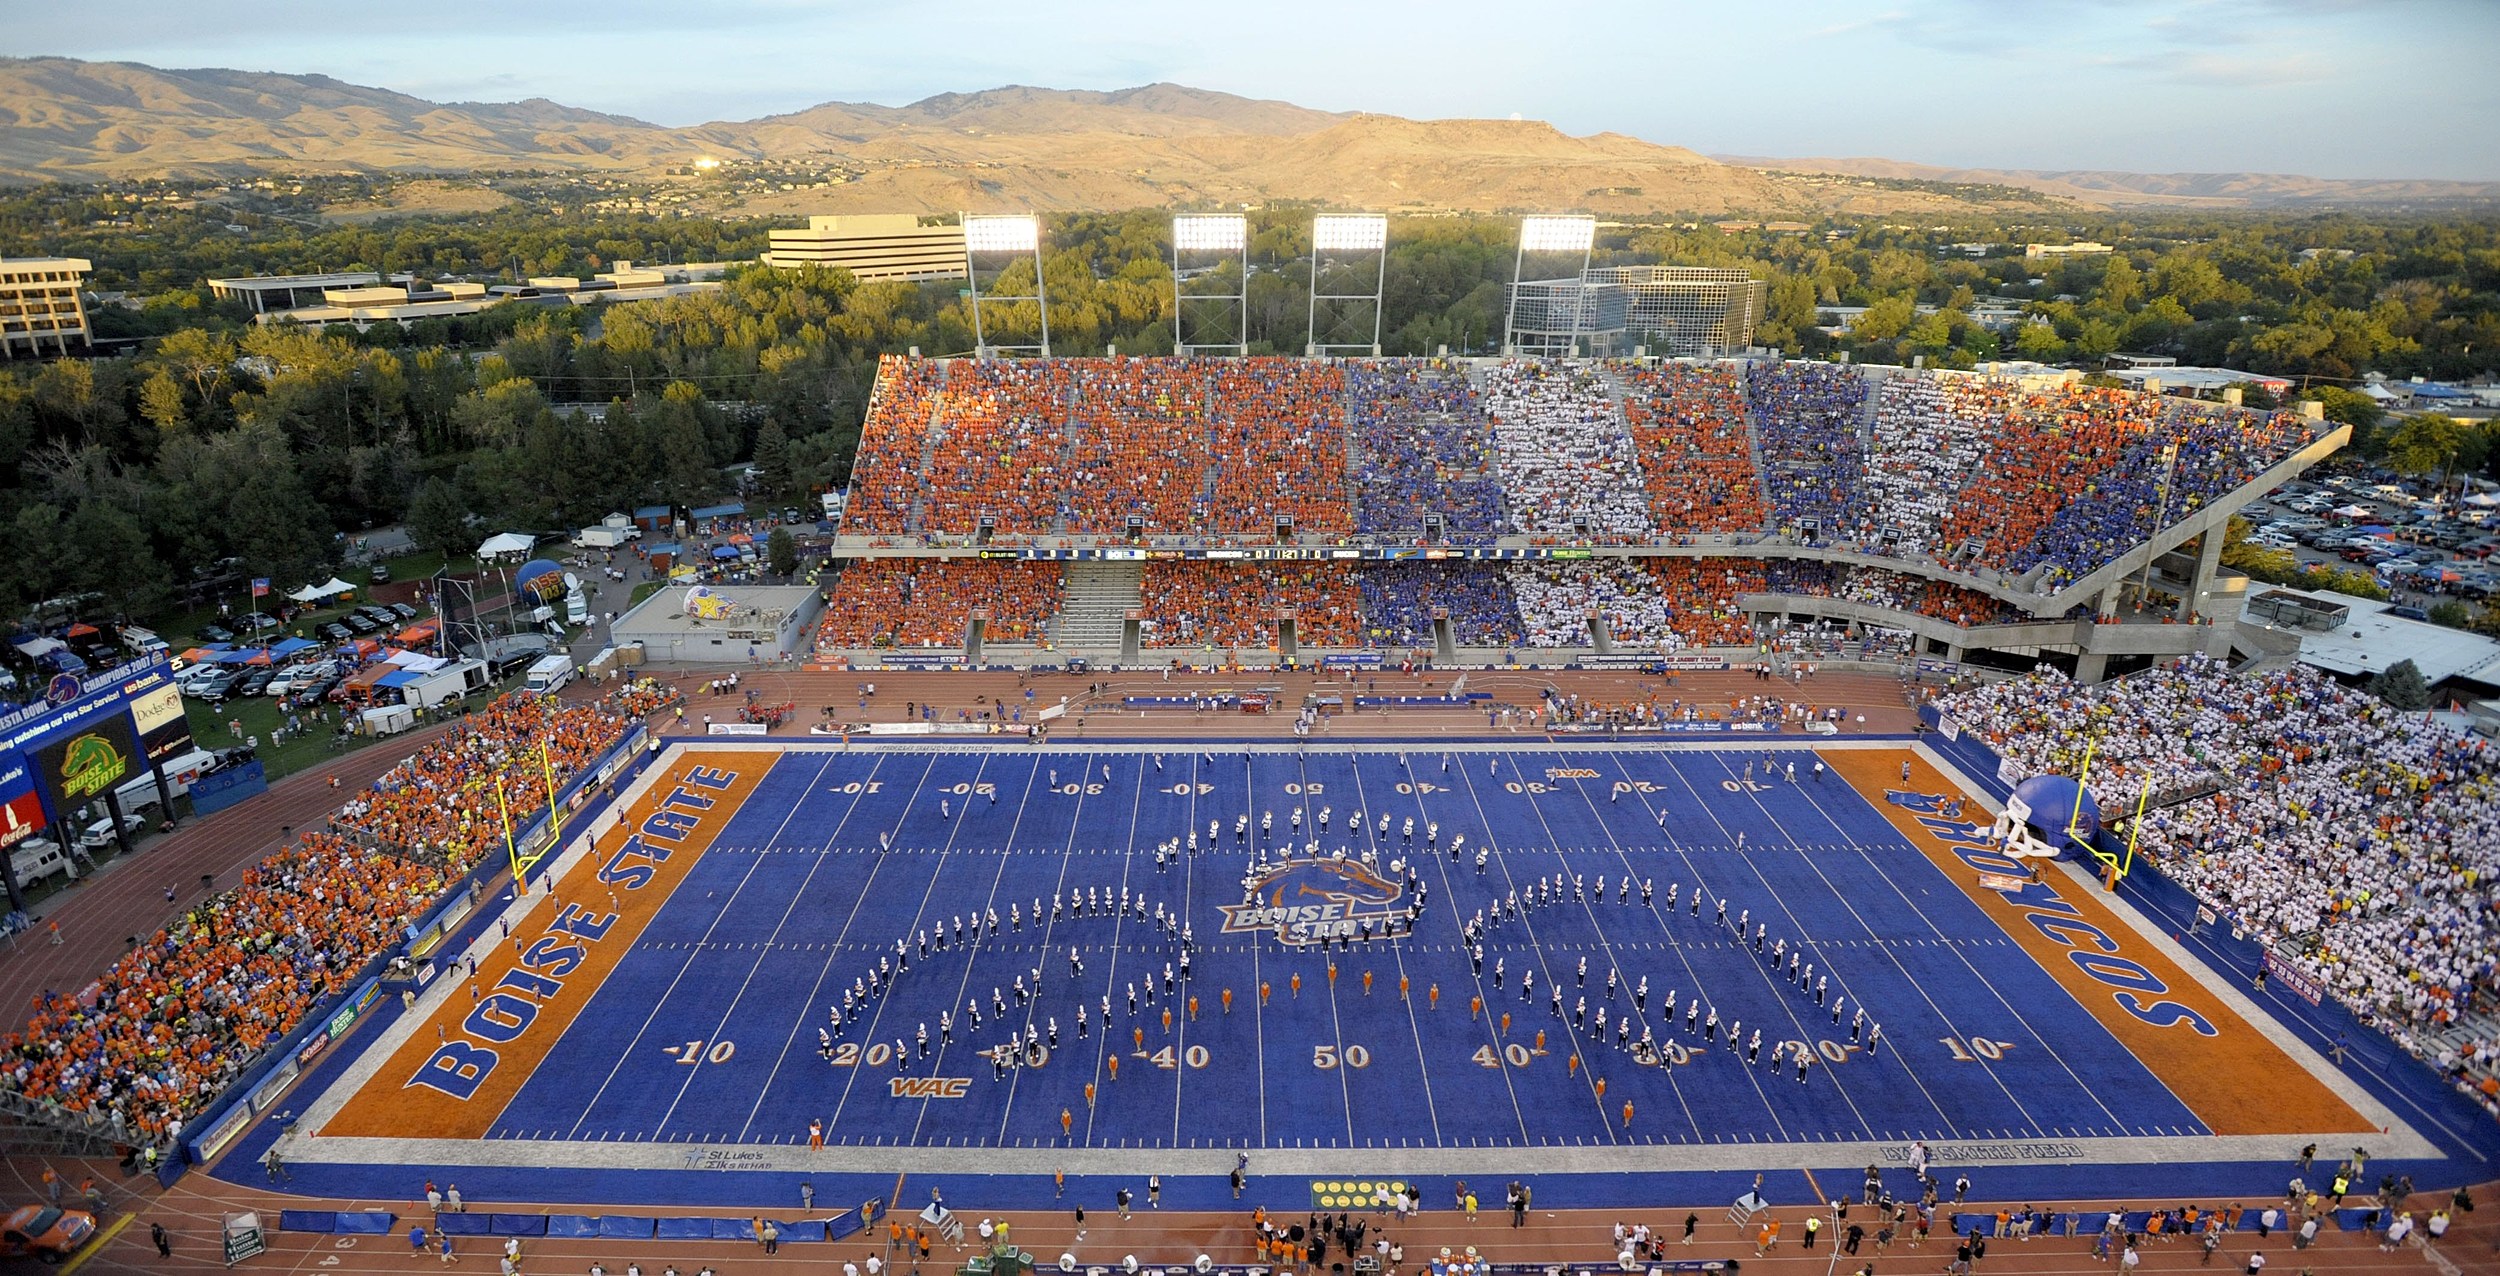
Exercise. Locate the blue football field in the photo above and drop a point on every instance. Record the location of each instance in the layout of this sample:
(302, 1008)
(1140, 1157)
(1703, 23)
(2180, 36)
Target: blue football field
(708, 1032)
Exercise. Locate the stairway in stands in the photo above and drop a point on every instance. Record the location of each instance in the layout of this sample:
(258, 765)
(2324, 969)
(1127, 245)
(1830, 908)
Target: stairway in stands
(912, 519)
(1095, 598)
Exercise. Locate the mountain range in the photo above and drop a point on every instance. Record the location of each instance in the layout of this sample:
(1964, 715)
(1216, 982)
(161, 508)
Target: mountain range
(2104, 187)
(63, 119)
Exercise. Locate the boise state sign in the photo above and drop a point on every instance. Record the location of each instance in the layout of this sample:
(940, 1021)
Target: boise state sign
(1317, 901)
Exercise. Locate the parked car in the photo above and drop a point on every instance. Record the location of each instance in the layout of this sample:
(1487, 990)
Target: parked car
(403, 611)
(381, 574)
(379, 615)
(214, 684)
(357, 622)
(100, 834)
(216, 633)
(336, 632)
(254, 622)
(46, 1231)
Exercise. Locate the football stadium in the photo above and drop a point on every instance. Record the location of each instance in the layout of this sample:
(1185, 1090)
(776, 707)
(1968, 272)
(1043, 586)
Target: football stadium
(1236, 788)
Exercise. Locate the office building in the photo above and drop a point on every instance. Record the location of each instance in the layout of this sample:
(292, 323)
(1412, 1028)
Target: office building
(40, 312)
(875, 246)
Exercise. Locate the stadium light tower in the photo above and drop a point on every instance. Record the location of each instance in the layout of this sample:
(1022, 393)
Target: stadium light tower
(1004, 240)
(1555, 242)
(1340, 243)
(1204, 241)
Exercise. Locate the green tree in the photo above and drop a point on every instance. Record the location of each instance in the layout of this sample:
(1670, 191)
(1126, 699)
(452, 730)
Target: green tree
(2427, 445)
(772, 459)
(438, 519)
(2401, 686)
(781, 552)
(2451, 613)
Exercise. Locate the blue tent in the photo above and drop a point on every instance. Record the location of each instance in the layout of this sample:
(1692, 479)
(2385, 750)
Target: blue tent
(724, 551)
(2057, 802)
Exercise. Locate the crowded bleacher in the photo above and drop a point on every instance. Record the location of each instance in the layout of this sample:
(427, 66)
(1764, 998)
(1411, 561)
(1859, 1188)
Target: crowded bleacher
(1566, 460)
(1234, 605)
(927, 602)
(2360, 843)
(1806, 416)
(162, 1032)
(1399, 600)
(1696, 454)
(1425, 448)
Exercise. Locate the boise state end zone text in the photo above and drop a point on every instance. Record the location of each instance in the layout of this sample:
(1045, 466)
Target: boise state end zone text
(460, 1064)
(2089, 947)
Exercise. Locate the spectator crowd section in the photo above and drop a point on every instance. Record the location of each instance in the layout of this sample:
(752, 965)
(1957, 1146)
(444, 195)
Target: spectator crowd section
(2360, 843)
(1424, 447)
(1224, 605)
(1925, 448)
(1399, 600)
(1565, 459)
(928, 602)
(440, 802)
(1695, 449)
(160, 1034)
(1882, 587)
(888, 477)
(1661, 603)
(1985, 474)
(1807, 416)
(1003, 450)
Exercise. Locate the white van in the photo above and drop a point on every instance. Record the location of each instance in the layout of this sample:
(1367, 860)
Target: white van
(549, 675)
(38, 858)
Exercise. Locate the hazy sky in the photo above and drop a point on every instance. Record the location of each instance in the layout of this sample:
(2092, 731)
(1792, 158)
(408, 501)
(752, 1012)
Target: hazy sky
(2333, 88)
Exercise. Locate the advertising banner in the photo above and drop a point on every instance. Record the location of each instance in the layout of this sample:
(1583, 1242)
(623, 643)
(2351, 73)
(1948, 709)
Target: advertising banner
(21, 812)
(164, 731)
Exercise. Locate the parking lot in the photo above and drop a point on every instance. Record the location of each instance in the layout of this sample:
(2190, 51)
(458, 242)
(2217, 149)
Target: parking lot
(2420, 553)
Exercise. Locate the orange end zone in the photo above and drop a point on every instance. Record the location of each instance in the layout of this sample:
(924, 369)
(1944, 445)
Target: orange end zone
(453, 1076)
(2235, 1079)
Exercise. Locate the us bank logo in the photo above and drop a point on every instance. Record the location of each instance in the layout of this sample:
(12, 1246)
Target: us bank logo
(1316, 901)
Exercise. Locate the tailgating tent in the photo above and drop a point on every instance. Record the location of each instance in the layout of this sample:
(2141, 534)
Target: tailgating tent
(314, 593)
(508, 544)
(724, 551)
(2483, 500)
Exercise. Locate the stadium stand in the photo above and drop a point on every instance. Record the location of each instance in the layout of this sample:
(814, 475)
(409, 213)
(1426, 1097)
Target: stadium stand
(186, 1010)
(1234, 605)
(1695, 452)
(926, 602)
(1425, 448)
(1565, 459)
(1807, 418)
(1399, 599)
(893, 443)
(2361, 843)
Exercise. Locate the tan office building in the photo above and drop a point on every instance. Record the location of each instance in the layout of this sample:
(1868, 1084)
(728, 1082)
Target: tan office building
(40, 312)
(872, 247)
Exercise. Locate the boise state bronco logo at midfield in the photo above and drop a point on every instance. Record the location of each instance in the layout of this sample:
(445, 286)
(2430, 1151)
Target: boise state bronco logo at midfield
(1316, 901)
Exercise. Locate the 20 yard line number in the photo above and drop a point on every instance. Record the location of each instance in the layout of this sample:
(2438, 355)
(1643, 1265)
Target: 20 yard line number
(693, 1052)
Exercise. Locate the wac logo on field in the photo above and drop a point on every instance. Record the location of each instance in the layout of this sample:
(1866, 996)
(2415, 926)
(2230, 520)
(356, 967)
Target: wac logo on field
(1316, 901)
(927, 1087)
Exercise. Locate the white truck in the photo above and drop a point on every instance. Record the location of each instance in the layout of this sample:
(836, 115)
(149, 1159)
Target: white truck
(548, 675)
(609, 533)
(140, 793)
